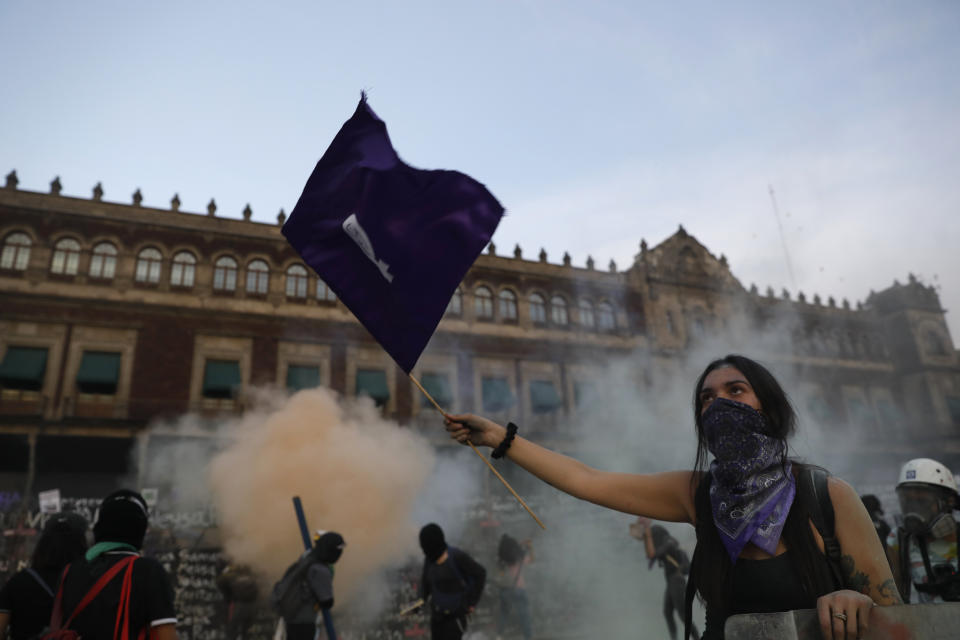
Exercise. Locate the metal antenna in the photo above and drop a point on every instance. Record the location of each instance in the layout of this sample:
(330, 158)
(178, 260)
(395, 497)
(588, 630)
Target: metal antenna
(783, 238)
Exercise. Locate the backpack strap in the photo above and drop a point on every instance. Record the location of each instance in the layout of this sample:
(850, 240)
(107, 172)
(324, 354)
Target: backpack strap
(456, 570)
(816, 498)
(905, 579)
(41, 581)
(691, 591)
(56, 616)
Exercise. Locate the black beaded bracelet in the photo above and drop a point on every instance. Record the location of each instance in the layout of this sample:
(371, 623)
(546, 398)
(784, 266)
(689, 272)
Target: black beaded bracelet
(501, 449)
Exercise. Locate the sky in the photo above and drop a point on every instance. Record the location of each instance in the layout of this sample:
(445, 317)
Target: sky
(596, 124)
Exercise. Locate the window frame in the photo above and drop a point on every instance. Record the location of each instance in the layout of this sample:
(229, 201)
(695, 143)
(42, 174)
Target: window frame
(147, 269)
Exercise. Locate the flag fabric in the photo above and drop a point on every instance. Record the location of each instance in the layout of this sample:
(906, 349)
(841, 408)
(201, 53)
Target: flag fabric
(392, 241)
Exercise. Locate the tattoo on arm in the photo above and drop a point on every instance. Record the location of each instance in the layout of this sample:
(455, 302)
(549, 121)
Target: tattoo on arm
(856, 580)
(888, 591)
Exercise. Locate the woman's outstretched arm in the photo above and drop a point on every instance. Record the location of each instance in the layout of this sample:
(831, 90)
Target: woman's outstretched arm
(661, 496)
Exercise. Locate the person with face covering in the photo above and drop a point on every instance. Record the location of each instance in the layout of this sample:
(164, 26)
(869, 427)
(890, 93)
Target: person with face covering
(923, 549)
(313, 619)
(758, 549)
(140, 582)
(452, 581)
(26, 600)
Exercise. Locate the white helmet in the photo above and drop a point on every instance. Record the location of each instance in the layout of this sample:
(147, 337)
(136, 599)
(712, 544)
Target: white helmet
(927, 471)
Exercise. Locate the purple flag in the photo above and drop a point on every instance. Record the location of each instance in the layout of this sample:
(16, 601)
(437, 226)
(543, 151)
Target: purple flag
(393, 242)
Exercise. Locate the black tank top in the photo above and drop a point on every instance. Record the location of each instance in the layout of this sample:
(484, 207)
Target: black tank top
(760, 586)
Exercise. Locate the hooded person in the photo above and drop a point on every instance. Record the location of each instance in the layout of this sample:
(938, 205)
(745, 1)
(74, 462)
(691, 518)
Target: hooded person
(26, 600)
(452, 581)
(923, 548)
(312, 618)
(114, 563)
(514, 604)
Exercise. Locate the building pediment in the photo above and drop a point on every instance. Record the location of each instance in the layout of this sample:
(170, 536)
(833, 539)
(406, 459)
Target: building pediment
(682, 259)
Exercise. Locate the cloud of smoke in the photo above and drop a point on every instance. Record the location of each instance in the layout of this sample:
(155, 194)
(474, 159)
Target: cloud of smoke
(355, 472)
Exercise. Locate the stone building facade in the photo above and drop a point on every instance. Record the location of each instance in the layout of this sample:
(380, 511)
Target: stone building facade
(114, 317)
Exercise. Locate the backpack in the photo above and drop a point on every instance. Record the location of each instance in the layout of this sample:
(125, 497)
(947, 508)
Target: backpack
(813, 492)
(291, 593)
(453, 602)
(58, 631)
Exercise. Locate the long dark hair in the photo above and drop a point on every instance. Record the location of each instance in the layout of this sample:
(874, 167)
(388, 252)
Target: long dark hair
(63, 540)
(710, 569)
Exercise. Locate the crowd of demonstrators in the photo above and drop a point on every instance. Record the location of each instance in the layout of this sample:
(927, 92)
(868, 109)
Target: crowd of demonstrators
(663, 549)
(303, 597)
(514, 604)
(923, 548)
(752, 507)
(26, 600)
(452, 582)
(238, 584)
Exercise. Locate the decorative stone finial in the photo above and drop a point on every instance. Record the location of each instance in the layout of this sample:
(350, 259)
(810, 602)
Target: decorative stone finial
(643, 245)
(492, 249)
(912, 278)
(723, 259)
(832, 302)
(175, 202)
(816, 299)
(566, 259)
(770, 292)
(682, 231)
(801, 298)
(55, 186)
(846, 304)
(98, 192)
(753, 288)
(281, 217)
(12, 180)
(859, 306)
(785, 294)
(247, 212)
(137, 197)
(613, 266)
(590, 263)
(543, 254)
(211, 207)
(517, 252)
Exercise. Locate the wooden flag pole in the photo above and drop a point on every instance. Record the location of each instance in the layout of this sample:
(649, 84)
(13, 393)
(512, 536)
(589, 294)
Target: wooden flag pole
(482, 457)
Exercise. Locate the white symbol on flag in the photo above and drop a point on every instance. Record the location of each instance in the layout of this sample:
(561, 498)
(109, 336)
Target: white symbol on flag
(358, 235)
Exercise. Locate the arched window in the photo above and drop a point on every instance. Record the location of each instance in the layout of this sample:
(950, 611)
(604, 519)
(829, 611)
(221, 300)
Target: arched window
(455, 306)
(606, 320)
(225, 274)
(16, 252)
(258, 277)
(66, 257)
(508, 305)
(296, 281)
(324, 292)
(558, 311)
(183, 269)
(587, 319)
(149, 261)
(538, 308)
(103, 261)
(483, 303)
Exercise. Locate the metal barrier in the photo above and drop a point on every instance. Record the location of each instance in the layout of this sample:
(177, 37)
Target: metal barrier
(901, 622)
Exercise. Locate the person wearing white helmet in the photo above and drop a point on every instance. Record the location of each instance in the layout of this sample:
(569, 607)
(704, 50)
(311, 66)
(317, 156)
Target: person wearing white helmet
(923, 548)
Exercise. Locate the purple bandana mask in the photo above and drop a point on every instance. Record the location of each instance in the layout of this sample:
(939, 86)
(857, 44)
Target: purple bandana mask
(751, 493)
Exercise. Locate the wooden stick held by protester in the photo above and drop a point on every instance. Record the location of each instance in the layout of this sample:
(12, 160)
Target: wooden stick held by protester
(482, 457)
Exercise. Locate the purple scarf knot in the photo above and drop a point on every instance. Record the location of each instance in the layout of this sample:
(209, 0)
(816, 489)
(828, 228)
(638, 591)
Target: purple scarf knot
(751, 492)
